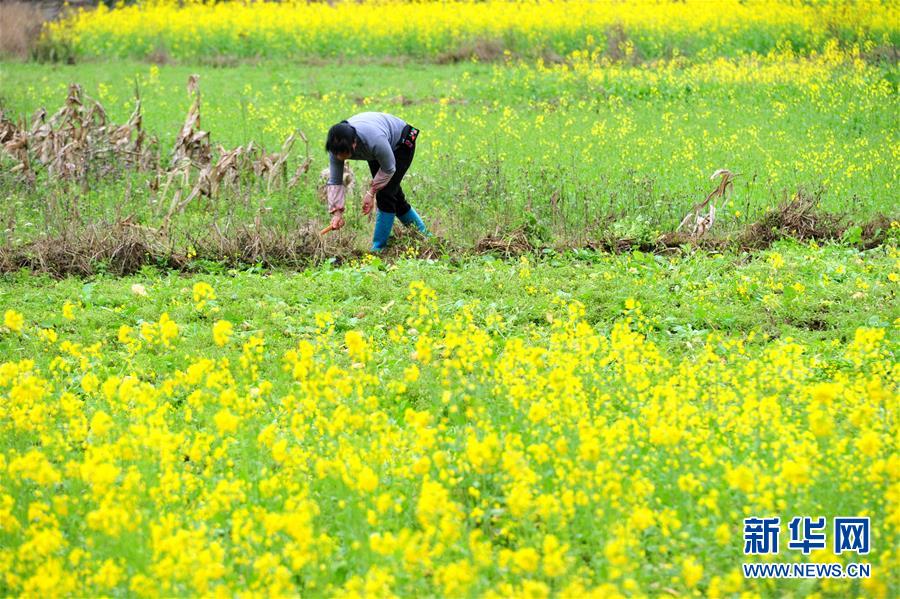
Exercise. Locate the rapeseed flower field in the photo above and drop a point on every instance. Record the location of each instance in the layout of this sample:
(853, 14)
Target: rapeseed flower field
(565, 433)
(194, 28)
(513, 414)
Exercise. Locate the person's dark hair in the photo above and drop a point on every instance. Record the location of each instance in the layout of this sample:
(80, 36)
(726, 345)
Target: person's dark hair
(340, 138)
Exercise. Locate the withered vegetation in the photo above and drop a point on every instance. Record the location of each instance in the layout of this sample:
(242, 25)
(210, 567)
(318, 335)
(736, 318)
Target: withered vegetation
(699, 223)
(79, 144)
(123, 247)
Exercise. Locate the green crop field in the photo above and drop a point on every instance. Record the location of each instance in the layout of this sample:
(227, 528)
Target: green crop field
(564, 391)
(572, 155)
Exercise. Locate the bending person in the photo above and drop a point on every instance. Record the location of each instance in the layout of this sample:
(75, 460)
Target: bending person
(388, 144)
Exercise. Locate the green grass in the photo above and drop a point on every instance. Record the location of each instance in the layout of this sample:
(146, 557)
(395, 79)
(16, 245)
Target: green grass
(683, 298)
(570, 153)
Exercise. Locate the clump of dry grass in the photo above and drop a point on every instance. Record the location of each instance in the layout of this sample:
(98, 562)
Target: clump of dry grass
(484, 50)
(506, 243)
(619, 47)
(798, 218)
(123, 247)
(20, 28)
(875, 231)
(251, 244)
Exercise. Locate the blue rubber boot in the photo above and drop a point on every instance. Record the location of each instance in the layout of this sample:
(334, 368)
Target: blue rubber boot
(384, 222)
(413, 218)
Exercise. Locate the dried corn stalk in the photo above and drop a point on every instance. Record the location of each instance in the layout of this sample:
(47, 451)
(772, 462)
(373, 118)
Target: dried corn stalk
(14, 142)
(192, 160)
(192, 147)
(699, 224)
(303, 167)
(77, 141)
(192, 150)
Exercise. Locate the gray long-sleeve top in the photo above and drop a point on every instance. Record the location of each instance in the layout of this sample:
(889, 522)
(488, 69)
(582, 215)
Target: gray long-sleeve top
(377, 134)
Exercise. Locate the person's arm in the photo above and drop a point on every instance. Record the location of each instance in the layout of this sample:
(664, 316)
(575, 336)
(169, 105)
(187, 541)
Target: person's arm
(335, 191)
(387, 165)
(335, 195)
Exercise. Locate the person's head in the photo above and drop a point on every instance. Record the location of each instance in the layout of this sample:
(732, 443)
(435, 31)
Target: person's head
(341, 141)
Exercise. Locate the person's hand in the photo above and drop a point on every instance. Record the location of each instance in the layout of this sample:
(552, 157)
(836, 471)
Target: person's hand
(337, 219)
(368, 202)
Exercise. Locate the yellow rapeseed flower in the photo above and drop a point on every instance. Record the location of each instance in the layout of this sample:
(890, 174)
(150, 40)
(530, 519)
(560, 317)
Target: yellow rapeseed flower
(13, 320)
(222, 331)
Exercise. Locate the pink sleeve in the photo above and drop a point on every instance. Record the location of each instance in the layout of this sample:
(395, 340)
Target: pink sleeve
(335, 197)
(381, 179)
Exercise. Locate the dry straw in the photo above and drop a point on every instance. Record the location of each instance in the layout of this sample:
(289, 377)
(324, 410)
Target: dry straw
(76, 142)
(79, 143)
(192, 162)
(699, 224)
